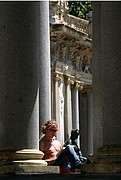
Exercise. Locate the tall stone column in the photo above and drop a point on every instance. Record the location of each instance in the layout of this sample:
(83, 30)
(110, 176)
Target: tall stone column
(44, 65)
(68, 107)
(75, 109)
(106, 88)
(52, 94)
(83, 122)
(59, 106)
(19, 87)
(89, 123)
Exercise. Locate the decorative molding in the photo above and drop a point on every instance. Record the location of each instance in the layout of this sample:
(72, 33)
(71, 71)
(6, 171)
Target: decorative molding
(79, 85)
(71, 51)
(69, 79)
(58, 76)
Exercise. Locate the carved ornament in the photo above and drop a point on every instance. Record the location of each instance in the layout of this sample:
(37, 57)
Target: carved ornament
(79, 85)
(58, 76)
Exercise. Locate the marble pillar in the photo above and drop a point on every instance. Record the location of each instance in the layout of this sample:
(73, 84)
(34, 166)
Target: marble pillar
(19, 88)
(59, 106)
(44, 65)
(68, 107)
(53, 90)
(106, 88)
(75, 109)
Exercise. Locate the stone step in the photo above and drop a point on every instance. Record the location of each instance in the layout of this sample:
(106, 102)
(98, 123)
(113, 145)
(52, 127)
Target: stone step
(73, 176)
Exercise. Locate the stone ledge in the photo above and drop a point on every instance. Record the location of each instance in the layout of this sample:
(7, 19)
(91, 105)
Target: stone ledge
(24, 161)
(27, 169)
(101, 168)
(106, 160)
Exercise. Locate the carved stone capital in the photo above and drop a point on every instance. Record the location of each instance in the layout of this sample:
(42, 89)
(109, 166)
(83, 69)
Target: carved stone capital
(58, 76)
(79, 85)
(69, 80)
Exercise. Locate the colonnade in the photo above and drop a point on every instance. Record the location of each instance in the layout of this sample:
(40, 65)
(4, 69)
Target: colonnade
(72, 109)
(25, 83)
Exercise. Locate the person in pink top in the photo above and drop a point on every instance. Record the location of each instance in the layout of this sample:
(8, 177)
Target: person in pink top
(51, 148)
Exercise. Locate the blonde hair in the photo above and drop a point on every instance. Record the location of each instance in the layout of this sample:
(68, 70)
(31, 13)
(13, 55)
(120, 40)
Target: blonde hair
(48, 125)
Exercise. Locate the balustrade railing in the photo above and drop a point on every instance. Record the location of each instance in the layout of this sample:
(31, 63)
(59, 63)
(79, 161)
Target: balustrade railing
(59, 14)
(77, 23)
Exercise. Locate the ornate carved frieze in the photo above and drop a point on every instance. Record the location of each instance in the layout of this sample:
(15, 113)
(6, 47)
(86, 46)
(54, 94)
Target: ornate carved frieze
(71, 51)
(71, 46)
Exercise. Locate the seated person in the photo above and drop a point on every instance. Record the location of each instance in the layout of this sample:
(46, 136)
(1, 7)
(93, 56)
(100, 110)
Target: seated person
(51, 148)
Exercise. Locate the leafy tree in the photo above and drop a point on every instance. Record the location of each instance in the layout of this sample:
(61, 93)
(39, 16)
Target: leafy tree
(80, 8)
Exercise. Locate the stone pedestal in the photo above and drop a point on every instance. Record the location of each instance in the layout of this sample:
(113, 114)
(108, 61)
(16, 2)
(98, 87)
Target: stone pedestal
(26, 161)
(106, 160)
(21, 161)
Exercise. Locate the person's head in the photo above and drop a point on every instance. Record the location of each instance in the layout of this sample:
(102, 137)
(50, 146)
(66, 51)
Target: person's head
(50, 127)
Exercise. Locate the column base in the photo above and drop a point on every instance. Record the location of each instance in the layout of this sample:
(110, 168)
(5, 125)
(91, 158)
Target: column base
(25, 161)
(106, 160)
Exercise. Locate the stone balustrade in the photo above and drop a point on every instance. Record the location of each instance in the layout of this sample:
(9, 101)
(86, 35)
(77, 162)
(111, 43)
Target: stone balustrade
(77, 23)
(59, 14)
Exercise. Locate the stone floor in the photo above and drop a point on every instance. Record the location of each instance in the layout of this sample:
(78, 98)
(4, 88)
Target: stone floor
(74, 176)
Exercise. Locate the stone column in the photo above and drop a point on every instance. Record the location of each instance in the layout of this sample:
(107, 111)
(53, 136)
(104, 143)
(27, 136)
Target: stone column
(106, 88)
(68, 107)
(19, 88)
(52, 93)
(75, 109)
(83, 122)
(44, 65)
(59, 106)
(89, 123)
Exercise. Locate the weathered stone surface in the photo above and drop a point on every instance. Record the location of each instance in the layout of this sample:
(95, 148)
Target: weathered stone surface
(110, 150)
(26, 161)
(27, 169)
(6, 154)
(101, 168)
(106, 160)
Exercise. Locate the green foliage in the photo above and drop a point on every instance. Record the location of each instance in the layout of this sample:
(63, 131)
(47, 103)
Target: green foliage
(80, 8)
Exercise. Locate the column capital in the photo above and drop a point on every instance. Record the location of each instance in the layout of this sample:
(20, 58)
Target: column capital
(69, 80)
(79, 85)
(58, 76)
